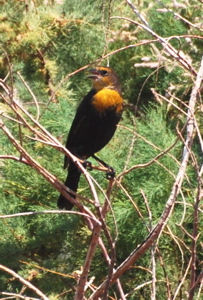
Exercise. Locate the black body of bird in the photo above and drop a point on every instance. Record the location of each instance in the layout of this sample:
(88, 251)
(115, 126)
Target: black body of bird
(94, 124)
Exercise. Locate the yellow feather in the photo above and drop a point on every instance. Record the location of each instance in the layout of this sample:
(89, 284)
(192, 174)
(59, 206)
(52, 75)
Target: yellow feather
(107, 98)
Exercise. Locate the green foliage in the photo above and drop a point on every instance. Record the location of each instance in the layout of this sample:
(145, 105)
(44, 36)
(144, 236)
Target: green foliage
(155, 181)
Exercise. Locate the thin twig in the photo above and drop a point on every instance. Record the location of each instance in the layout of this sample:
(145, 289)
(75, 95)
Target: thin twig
(46, 212)
(150, 162)
(153, 249)
(182, 280)
(15, 296)
(195, 236)
(31, 93)
(47, 175)
(25, 282)
(178, 16)
(167, 47)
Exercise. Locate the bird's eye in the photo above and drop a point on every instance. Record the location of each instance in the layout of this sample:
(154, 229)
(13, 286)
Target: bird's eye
(104, 73)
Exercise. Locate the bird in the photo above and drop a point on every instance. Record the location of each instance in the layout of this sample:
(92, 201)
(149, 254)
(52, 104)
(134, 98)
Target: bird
(93, 126)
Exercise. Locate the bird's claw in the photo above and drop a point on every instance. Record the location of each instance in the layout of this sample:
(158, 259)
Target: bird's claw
(110, 174)
(87, 165)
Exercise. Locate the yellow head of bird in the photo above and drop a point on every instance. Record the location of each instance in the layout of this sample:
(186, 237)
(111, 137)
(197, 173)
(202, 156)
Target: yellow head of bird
(104, 77)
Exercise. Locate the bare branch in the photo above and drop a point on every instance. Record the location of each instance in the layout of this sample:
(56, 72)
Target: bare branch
(79, 295)
(155, 233)
(46, 212)
(148, 163)
(16, 296)
(25, 282)
(182, 280)
(167, 47)
(32, 94)
(195, 236)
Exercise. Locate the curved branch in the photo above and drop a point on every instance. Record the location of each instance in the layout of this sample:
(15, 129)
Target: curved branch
(25, 282)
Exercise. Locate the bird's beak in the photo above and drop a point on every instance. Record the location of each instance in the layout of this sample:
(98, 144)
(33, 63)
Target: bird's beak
(94, 74)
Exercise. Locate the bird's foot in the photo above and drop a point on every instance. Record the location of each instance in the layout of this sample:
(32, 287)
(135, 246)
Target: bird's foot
(110, 174)
(87, 165)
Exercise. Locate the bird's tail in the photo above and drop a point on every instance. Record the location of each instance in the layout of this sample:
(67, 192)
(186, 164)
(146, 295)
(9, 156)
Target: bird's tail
(71, 182)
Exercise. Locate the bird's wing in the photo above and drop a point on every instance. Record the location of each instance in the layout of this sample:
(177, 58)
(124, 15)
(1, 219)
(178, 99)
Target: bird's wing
(80, 121)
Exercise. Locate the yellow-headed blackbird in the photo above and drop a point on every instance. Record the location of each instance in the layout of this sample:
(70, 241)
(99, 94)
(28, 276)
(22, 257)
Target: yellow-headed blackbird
(94, 124)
